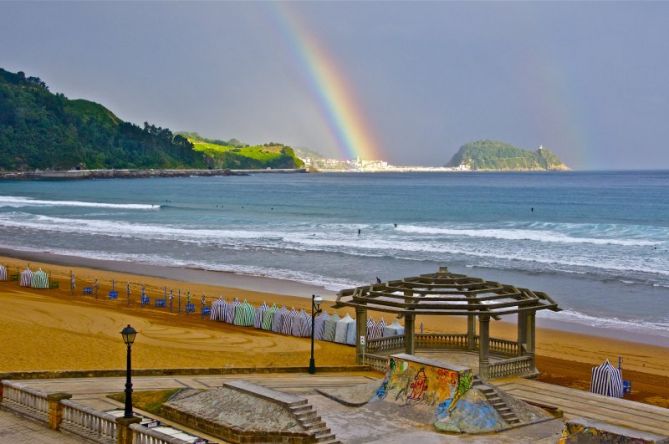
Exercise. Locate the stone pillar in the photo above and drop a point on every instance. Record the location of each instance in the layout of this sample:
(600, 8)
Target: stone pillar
(522, 330)
(471, 332)
(530, 336)
(409, 333)
(361, 330)
(123, 430)
(56, 409)
(484, 337)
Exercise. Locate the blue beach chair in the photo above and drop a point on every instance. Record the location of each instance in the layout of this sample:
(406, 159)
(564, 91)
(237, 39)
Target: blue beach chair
(160, 303)
(145, 300)
(190, 308)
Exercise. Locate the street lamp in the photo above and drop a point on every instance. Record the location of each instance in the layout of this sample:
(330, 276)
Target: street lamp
(315, 309)
(128, 334)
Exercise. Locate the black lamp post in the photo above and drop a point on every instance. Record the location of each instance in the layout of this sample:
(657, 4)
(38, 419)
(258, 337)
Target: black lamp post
(128, 334)
(315, 309)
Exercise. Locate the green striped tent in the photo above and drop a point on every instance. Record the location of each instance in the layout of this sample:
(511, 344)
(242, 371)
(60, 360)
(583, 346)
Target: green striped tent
(268, 317)
(245, 314)
(40, 279)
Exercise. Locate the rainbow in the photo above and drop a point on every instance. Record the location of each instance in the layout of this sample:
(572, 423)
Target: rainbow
(335, 96)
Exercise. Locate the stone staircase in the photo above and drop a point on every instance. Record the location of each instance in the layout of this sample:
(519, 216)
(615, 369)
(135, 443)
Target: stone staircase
(308, 418)
(497, 402)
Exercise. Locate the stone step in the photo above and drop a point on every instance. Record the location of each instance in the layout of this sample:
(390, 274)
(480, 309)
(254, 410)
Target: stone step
(326, 438)
(301, 409)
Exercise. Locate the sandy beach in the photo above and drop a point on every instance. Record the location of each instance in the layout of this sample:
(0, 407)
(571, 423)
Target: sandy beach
(55, 330)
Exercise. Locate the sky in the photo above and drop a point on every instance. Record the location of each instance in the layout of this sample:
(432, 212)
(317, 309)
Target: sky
(407, 82)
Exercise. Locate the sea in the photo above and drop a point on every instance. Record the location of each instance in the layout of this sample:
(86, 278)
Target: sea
(597, 242)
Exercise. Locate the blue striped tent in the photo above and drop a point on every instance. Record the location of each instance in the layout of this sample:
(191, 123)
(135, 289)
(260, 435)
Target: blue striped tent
(288, 320)
(607, 380)
(377, 331)
(268, 317)
(341, 330)
(230, 311)
(260, 311)
(330, 327)
(39, 280)
(371, 325)
(217, 310)
(305, 324)
(245, 314)
(3, 273)
(319, 324)
(26, 278)
(277, 322)
(394, 329)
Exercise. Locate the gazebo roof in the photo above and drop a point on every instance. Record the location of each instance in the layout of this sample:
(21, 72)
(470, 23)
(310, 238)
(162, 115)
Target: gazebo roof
(444, 293)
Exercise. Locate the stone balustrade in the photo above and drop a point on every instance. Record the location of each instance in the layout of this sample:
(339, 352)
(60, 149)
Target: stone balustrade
(88, 423)
(504, 347)
(518, 366)
(142, 435)
(387, 344)
(24, 400)
(441, 341)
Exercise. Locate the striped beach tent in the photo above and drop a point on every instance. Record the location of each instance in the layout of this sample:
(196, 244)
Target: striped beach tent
(394, 329)
(377, 331)
(329, 327)
(296, 325)
(217, 310)
(230, 311)
(371, 325)
(245, 314)
(351, 333)
(277, 322)
(260, 311)
(607, 380)
(268, 317)
(288, 321)
(3, 273)
(319, 324)
(26, 278)
(341, 329)
(305, 324)
(40, 279)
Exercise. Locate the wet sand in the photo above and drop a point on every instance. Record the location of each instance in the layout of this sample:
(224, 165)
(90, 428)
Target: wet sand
(55, 330)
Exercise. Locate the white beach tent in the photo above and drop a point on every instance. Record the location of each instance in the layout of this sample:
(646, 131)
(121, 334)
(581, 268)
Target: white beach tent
(371, 325)
(305, 324)
(296, 325)
(26, 278)
(279, 316)
(377, 330)
(319, 324)
(351, 333)
(341, 330)
(330, 327)
(394, 329)
(607, 380)
(40, 279)
(3, 273)
(288, 320)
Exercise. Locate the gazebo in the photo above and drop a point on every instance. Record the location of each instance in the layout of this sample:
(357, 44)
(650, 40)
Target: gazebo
(449, 294)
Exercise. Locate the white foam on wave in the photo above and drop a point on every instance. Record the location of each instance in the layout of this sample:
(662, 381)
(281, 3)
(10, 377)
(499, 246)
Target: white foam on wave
(524, 234)
(18, 202)
(615, 323)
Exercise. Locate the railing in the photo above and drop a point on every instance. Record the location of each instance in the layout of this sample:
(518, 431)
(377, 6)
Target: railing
(142, 435)
(25, 400)
(387, 344)
(378, 363)
(88, 423)
(504, 347)
(441, 341)
(521, 365)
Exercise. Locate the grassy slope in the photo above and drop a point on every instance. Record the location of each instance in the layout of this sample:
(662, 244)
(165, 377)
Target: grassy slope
(258, 156)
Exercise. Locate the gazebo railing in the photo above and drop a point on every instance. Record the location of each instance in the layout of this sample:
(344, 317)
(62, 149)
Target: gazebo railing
(504, 347)
(441, 340)
(377, 362)
(387, 344)
(518, 366)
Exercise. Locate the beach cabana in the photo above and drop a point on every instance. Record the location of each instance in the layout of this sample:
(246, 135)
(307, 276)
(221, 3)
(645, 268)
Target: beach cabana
(394, 329)
(305, 324)
(449, 294)
(268, 317)
(218, 310)
(330, 327)
(341, 329)
(279, 316)
(350, 333)
(245, 314)
(39, 279)
(371, 325)
(260, 311)
(3, 273)
(229, 312)
(319, 324)
(607, 380)
(288, 321)
(26, 278)
(377, 330)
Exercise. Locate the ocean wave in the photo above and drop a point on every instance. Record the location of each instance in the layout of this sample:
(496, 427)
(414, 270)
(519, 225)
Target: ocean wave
(518, 234)
(18, 202)
(615, 323)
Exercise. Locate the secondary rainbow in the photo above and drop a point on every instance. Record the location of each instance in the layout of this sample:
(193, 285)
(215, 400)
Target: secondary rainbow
(334, 94)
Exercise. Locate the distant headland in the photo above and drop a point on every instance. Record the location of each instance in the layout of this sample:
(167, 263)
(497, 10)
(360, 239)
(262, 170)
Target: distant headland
(494, 155)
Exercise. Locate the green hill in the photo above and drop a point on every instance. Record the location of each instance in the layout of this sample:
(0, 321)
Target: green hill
(500, 156)
(42, 130)
(235, 155)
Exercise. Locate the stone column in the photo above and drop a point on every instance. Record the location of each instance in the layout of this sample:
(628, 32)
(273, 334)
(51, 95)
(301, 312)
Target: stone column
(522, 330)
(123, 430)
(56, 409)
(409, 333)
(484, 337)
(361, 330)
(471, 331)
(530, 336)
